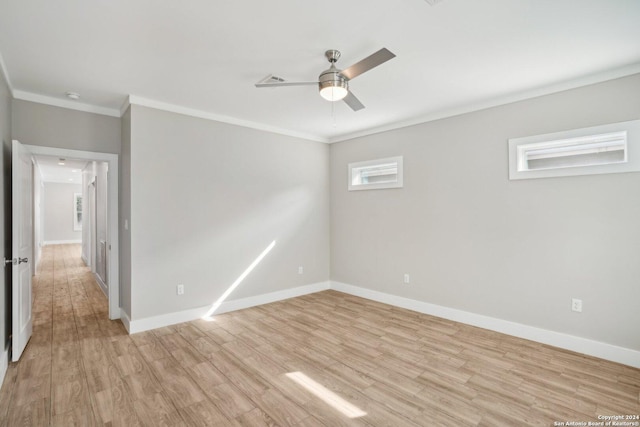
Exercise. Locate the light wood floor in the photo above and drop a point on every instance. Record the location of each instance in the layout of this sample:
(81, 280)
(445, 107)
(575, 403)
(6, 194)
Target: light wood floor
(381, 365)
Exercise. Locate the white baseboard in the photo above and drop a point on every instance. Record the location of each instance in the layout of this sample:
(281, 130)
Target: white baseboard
(557, 339)
(160, 321)
(126, 321)
(60, 242)
(102, 285)
(4, 365)
(569, 342)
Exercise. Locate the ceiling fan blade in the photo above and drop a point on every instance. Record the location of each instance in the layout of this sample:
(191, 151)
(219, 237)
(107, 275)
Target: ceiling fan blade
(273, 81)
(371, 61)
(286, 84)
(353, 102)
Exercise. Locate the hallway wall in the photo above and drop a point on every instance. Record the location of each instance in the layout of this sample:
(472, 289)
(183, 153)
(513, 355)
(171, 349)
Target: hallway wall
(94, 181)
(58, 211)
(49, 126)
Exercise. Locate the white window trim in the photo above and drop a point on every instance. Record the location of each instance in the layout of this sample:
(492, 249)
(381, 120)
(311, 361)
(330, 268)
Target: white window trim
(376, 186)
(632, 152)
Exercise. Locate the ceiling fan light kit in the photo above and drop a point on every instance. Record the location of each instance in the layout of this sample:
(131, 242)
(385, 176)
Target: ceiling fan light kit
(334, 90)
(334, 83)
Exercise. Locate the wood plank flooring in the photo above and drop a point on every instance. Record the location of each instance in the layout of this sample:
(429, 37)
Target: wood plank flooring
(326, 359)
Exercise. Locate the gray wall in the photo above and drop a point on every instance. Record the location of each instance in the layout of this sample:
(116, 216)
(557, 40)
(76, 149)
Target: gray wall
(49, 126)
(207, 198)
(475, 241)
(58, 212)
(5, 212)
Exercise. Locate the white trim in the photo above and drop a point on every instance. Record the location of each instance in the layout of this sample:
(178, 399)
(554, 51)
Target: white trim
(60, 242)
(102, 285)
(163, 320)
(124, 318)
(4, 365)
(271, 297)
(85, 260)
(65, 103)
(5, 73)
(113, 237)
(125, 105)
(134, 326)
(398, 183)
(144, 102)
(569, 342)
(503, 100)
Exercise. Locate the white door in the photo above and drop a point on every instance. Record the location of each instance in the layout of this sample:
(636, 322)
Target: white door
(22, 250)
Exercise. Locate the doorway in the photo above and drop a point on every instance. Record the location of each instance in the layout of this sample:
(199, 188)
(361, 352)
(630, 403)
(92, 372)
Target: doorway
(99, 181)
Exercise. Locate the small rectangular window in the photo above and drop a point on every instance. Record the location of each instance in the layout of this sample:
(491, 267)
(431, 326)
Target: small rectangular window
(566, 153)
(376, 174)
(596, 150)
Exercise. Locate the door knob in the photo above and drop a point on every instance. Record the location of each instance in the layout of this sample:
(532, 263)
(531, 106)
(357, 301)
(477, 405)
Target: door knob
(21, 260)
(9, 261)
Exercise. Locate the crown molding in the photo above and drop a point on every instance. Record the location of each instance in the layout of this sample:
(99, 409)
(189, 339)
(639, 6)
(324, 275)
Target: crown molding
(172, 108)
(146, 102)
(495, 102)
(71, 105)
(125, 105)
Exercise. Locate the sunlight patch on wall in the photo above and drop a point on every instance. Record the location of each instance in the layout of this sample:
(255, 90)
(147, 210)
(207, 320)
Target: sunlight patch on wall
(239, 280)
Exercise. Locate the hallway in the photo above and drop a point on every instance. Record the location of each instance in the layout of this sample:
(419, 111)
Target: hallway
(72, 337)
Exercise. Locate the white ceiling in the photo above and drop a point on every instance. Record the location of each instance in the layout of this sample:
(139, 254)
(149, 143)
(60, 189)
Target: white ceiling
(205, 56)
(51, 171)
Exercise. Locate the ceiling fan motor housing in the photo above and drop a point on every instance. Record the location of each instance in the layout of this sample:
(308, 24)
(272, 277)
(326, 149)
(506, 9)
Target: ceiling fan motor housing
(332, 78)
(333, 85)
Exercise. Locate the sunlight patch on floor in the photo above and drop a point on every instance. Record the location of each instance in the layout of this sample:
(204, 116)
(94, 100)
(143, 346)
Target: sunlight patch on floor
(326, 395)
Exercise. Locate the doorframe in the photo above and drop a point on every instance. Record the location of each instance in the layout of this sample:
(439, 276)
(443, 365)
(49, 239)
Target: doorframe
(112, 212)
(93, 226)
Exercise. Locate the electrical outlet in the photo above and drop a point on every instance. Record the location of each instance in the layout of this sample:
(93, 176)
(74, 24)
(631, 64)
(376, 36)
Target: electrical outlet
(407, 279)
(576, 305)
(300, 270)
(180, 289)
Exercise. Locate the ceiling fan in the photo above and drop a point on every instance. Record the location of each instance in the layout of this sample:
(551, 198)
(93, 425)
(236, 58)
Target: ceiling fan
(334, 83)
